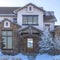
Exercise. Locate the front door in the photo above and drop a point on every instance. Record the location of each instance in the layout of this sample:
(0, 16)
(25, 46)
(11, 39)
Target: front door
(30, 45)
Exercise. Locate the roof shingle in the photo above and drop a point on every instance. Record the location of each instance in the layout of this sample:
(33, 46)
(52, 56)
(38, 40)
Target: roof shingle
(7, 10)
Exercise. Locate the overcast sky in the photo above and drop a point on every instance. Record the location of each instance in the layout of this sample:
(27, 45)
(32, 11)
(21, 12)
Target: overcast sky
(49, 5)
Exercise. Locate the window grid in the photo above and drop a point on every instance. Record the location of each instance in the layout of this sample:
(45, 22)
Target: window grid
(30, 19)
(7, 40)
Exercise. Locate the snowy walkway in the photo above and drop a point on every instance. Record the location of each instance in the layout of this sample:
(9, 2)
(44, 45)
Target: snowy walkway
(23, 57)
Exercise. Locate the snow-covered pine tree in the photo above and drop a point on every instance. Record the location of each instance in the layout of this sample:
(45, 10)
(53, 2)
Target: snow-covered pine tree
(46, 42)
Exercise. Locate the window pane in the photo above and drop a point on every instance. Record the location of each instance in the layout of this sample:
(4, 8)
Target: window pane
(9, 42)
(30, 8)
(4, 42)
(24, 19)
(47, 27)
(35, 20)
(30, 43)
(4, 33)
(15, 20)
(30, 20)
(9, 33)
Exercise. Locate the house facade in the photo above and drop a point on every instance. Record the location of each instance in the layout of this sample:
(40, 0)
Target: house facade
(22, 28)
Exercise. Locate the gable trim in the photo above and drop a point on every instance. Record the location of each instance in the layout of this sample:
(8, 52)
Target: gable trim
(29, 27)
(6, 19)
(15, 11)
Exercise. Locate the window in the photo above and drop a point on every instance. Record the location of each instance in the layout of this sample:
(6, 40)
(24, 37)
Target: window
(30, 19)
(30, 8)
(15, 20)
(47, 27)
(30, 43)
(6, 39)
(6, 24)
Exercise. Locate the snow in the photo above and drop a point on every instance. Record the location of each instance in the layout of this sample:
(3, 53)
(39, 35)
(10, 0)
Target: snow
(43, 57)
(21, 56)
(47, 57)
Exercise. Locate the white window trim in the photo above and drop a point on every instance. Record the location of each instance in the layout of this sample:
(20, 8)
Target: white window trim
(5, 24)
(31, 9)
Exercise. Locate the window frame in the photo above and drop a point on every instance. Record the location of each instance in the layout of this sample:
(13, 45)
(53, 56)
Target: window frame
(7, 36)
(5, 24)
(30, 9)
(47, 25)
(15, 20)
(27, 22)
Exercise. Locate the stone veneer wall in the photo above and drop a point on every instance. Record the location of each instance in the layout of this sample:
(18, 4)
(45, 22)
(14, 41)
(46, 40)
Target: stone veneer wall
(14, 27)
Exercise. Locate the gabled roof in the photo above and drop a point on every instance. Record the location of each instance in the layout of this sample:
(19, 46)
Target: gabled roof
(28, 5)
(5, 19)
(7, 10)
(11, 10)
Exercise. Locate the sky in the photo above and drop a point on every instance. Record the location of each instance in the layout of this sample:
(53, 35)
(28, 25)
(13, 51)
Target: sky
(48, 5)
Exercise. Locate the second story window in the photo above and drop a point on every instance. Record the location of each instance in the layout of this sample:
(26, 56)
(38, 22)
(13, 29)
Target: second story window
(15, 20)
(47, 27)
(30, 19)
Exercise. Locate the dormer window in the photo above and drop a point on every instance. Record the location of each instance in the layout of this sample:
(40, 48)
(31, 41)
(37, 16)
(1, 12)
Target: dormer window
(6, 24)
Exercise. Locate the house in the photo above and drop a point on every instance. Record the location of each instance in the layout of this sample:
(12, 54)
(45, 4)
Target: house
(21, 28)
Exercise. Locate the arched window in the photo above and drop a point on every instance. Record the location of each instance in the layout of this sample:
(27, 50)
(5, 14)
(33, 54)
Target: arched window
(30, 8)
(6, 24)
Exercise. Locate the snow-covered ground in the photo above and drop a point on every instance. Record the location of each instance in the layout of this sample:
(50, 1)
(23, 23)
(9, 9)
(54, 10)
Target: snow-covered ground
(47, 57)
(24, 57)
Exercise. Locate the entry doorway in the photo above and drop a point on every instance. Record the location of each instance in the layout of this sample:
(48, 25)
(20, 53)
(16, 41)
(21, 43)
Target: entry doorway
(30, 45)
